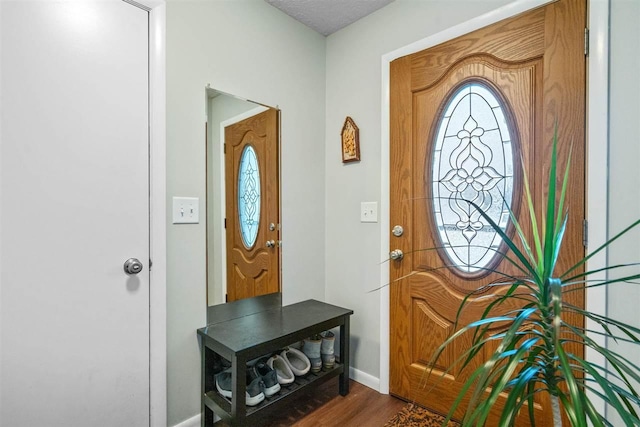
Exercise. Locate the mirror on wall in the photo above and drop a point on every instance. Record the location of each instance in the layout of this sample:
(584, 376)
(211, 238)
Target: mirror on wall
(243, 198)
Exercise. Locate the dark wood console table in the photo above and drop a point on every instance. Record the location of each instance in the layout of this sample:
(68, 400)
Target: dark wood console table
(247, 329)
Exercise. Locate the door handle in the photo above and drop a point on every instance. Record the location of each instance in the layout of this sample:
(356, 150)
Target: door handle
(271, 243)
(396, 254)
(132, 266)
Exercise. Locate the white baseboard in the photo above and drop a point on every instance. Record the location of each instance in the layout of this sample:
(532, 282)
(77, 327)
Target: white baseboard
(191, 422)
(364, 379)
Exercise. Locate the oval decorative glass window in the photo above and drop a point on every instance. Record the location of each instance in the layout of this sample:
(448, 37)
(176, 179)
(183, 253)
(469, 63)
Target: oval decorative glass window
(249, 196)
(472, 161)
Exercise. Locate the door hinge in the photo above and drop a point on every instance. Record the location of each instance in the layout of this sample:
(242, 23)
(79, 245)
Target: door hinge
(150, 264)
(224, 148)
(226, 297)
(585, 232)
(586, 42)
(225, 223)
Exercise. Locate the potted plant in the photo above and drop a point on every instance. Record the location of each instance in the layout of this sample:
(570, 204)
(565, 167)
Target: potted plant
(531, 355)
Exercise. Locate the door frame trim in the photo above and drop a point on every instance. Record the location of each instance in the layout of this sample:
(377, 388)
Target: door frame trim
(597, 148)
(597, 171)
(158, 215)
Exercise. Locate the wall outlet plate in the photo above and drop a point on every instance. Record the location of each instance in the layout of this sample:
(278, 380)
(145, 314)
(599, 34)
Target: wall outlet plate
(186, 210)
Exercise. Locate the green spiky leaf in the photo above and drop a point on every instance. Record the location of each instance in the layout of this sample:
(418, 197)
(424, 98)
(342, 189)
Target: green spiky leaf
(531, 355)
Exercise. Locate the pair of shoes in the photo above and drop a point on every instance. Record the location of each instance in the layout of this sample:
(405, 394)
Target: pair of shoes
(283, 371)
(268, 375)
(254, 394)
(326, 350)
(289, 364)
(297, 361)
(319, 350)
(312, 349)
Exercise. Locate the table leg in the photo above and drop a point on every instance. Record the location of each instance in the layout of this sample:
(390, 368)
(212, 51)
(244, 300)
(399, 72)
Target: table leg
(239, 387)
(207, 383)
(207, 417)
(344, 357)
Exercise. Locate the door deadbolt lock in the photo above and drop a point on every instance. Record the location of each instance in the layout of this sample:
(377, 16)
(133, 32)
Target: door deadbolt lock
(397, 230)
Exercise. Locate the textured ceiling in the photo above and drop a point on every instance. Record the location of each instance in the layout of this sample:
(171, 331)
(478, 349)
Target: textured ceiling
(328, 16)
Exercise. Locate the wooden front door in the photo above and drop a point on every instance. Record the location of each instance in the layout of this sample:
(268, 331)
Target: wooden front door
(463, 114)
(252, 206)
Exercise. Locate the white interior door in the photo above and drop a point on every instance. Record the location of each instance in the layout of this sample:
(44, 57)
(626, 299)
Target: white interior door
(74, 193)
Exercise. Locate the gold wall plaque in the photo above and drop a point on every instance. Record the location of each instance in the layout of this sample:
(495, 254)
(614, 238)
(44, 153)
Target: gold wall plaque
(350, 141)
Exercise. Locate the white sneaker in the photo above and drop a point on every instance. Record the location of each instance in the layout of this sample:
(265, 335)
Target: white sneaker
(283, 371)
(297, 361)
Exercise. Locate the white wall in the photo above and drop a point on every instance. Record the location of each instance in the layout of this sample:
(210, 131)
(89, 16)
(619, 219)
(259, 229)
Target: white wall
(250, 49)
(354, 89)
(624, 157)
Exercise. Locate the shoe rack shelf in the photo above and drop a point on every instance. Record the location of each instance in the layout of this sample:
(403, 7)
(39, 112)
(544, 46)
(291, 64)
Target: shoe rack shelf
(247, 329)
(214, 400)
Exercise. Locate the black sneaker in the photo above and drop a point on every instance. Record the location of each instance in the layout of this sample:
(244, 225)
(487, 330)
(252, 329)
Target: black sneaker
(254, 394)
(269, 377)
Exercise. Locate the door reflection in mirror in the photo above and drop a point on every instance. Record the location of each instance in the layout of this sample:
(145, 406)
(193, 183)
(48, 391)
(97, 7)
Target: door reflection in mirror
(236, 270)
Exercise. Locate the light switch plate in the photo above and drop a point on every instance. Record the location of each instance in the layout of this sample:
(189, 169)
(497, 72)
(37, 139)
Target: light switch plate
(369, 212)
(186, 210)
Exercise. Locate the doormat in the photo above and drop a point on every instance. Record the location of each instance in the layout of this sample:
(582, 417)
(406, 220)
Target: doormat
(415, 416)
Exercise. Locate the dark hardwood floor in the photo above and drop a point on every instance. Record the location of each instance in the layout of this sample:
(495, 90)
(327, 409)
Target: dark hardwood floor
(324, 407)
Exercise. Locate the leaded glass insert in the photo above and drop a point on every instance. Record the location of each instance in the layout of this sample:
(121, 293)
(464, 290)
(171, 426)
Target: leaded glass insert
(249, 196)
(472, 161)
